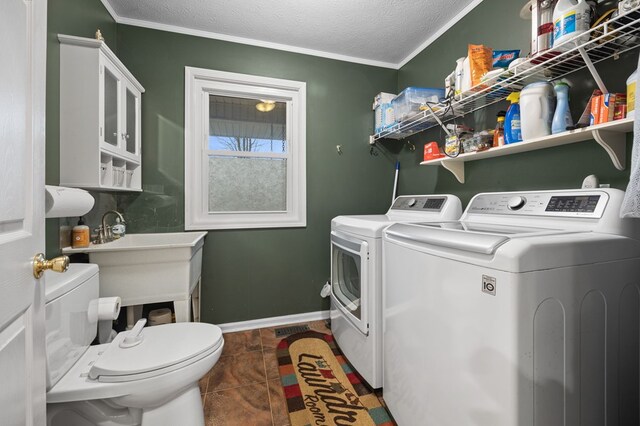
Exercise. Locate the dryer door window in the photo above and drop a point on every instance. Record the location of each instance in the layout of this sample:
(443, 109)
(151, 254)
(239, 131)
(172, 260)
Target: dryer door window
(349, 262)
(347, 281)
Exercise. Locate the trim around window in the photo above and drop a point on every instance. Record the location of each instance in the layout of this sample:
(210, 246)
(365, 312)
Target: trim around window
(199, 84)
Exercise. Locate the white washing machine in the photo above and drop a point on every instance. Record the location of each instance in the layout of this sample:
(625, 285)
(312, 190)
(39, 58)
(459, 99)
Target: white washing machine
(525, 312)
(356, 275)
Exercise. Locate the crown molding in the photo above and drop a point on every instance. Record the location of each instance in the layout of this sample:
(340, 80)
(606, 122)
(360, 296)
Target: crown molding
(439, 33)
(288, 48)
(111, 10)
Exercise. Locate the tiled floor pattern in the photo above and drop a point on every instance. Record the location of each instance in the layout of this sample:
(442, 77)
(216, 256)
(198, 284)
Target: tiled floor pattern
(243, 388)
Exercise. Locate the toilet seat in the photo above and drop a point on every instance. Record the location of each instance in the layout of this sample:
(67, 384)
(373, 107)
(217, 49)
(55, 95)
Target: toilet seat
(76, 385)
(163, 348)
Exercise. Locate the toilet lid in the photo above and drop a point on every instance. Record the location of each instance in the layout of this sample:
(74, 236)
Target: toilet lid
(162, 347)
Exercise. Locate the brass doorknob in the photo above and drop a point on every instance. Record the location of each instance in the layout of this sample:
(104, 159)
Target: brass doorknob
(57, 264)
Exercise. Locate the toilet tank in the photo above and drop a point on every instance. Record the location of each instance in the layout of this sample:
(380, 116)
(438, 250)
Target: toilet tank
(71, 317)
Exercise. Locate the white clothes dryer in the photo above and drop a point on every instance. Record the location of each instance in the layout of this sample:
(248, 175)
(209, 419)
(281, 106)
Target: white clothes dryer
(525, 312)
(356, 276)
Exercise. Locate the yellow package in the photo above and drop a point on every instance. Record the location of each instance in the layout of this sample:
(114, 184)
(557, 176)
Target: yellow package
(480, 61)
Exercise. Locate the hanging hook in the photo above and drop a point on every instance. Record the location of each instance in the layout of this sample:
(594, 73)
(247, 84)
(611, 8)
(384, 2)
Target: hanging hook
(373, 151)
(411, 146)
(339, 149)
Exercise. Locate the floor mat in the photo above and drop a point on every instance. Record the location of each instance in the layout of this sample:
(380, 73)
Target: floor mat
(322, 388)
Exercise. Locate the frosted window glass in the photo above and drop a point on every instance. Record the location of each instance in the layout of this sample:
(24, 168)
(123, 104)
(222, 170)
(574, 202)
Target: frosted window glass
(240, 181)
(247, 184)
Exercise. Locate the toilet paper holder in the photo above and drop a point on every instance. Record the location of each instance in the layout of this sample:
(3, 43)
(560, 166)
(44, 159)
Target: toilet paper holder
(103, 311)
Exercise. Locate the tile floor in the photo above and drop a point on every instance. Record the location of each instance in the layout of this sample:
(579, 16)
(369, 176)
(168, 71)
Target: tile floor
(243, 388)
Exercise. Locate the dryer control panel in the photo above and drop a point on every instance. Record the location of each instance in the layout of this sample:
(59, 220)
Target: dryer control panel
(419, 203)
(589, 204)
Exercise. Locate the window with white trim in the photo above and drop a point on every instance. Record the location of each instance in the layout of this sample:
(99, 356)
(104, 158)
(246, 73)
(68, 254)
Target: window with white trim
(245, 159)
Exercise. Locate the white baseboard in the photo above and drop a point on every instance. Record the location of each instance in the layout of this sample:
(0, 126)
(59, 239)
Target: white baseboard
(273, 321)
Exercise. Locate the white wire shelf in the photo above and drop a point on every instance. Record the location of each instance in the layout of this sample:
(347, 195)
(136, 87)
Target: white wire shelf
(607, 40)
(611, 136)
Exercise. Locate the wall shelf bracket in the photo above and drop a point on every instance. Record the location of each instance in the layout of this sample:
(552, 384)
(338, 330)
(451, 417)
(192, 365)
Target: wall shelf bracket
(455, 167)
(615, 143)
(592, 70)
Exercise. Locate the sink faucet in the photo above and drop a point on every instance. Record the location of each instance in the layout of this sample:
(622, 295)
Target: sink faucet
(104, 231)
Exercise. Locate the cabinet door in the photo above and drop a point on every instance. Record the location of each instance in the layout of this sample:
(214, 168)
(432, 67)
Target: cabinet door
(110, 89)
(131, 119)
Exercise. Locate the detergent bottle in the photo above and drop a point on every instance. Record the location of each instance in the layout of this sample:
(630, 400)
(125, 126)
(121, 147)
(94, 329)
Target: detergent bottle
(512, 128)
(631, 94)
(562, 116)
(570, 19)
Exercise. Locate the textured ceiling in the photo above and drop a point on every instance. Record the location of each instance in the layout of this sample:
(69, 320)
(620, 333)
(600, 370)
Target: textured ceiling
(385, 31)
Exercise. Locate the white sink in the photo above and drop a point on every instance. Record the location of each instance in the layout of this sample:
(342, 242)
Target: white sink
(151, 268)
(135, 242)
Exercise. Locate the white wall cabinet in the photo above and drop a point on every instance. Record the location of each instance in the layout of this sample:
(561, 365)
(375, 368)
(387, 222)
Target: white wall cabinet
(100, 108)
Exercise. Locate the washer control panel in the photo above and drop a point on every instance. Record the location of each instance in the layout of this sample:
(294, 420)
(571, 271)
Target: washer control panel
(419, 203)
(553, 204)
(573, 204)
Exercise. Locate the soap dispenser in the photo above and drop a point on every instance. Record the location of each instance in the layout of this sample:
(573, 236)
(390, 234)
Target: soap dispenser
(81, 236)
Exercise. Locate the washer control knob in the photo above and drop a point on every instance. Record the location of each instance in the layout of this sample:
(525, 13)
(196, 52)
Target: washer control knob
(516, 203)
(411, 202)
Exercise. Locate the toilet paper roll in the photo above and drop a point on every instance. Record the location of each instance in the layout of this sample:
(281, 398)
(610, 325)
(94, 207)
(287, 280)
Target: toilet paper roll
(66, 202)
(108, 308)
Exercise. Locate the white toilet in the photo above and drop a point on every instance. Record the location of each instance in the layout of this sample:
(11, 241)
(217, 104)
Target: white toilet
(150, 378)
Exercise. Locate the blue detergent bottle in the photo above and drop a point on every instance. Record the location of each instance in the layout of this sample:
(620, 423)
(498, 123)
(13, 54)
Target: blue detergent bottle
(562, 116)
(512, 128)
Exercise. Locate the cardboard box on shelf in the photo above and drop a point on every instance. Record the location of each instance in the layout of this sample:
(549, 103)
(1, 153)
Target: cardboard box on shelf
(594, 117)
(609, 102)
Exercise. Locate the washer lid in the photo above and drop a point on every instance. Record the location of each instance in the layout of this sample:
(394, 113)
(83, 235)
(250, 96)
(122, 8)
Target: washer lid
(477, 238)
(162, 346)
(369, 226)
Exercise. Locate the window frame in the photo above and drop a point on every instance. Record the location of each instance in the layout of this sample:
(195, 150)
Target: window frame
(199, 84)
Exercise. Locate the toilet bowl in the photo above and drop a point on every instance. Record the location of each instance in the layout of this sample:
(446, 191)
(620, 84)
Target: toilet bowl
(148, 379)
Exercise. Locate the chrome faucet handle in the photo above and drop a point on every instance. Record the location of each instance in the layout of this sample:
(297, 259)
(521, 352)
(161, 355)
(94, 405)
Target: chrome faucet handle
(102, 235)
(104, 221)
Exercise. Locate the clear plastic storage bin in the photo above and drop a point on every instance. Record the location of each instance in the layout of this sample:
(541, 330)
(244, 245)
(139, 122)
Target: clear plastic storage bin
(409, 101)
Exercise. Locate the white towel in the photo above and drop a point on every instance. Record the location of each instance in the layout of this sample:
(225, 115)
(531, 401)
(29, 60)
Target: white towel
(631, 203)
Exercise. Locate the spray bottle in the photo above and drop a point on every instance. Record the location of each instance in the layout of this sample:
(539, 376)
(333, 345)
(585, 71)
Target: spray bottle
(512, 128)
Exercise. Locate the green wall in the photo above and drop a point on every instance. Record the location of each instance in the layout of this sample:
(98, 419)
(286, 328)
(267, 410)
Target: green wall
(78, 18)
(249, 274)
(496, 23)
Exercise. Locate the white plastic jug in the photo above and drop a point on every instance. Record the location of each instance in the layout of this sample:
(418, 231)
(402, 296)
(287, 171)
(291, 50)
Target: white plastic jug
(537, 106)
(631, 94)
(459, 76)
(570, 19)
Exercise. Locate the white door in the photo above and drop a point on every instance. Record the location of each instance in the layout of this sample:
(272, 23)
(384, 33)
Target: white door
(22, 95)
